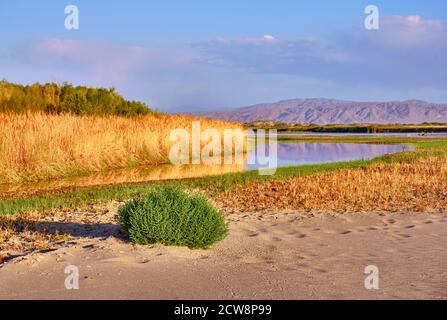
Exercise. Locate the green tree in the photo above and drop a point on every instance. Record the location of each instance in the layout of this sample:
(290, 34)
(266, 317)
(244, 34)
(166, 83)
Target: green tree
(66, 98)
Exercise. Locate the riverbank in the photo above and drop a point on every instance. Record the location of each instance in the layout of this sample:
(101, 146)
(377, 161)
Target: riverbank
(414, 181)
(72, 197)
(307, 232)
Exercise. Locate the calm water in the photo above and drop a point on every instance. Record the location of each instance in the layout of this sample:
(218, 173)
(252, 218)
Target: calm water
(353, 134)
(294, 154)
(289, 154)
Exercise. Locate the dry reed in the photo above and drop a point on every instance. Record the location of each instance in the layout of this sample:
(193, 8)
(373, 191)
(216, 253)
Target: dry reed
(37, 146)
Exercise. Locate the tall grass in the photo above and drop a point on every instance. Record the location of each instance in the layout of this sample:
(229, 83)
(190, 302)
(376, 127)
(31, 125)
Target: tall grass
(35, 146)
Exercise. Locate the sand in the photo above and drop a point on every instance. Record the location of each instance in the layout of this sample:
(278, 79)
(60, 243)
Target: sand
(267, 255)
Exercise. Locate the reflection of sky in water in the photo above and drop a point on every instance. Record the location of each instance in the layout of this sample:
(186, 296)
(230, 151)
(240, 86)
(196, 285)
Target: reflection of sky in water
(292, 154)
(354, 134)
(289, 154)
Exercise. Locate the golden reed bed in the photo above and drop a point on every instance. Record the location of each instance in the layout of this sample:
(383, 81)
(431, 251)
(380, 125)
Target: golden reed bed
(38, 146)
(419, 185)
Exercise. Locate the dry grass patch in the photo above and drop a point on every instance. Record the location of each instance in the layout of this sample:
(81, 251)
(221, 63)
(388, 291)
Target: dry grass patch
(419, 185)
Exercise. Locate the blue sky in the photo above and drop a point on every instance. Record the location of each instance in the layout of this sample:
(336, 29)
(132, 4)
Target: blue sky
(216, 54)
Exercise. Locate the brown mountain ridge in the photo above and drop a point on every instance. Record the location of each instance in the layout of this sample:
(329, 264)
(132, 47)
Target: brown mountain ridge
(331, 111)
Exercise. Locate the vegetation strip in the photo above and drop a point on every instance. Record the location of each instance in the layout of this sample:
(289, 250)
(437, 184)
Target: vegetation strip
(348, 128)
(52, 98)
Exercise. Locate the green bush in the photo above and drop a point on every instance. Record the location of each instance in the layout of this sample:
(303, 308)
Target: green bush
(171, 216)
(53, 98)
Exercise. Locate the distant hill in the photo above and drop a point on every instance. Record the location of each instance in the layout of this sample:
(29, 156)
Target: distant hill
(330, 111)
(53, 98)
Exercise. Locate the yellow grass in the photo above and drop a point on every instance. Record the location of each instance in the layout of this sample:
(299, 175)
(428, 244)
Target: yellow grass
(419, 185)
(39, 146)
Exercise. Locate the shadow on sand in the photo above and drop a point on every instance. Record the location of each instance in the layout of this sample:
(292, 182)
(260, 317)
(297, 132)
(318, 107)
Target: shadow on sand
(101, 231)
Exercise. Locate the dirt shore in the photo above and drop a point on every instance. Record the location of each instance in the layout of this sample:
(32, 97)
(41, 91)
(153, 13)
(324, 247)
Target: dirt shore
(281, 255)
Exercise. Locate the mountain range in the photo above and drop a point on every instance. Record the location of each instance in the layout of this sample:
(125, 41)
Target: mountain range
(331, 111)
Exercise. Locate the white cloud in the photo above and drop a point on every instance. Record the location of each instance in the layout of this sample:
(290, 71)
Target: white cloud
(268, 37)
(409, 31)
(406, 52)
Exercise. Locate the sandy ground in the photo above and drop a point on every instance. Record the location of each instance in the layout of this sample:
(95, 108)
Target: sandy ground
(284, 255)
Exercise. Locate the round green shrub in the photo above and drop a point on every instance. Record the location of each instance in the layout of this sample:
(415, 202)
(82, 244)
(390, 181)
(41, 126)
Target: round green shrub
(170, 216)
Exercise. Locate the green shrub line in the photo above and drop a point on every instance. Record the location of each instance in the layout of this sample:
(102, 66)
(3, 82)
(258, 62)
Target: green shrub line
(349, 128)
(54, 98)
(101, 194)
(170, 216)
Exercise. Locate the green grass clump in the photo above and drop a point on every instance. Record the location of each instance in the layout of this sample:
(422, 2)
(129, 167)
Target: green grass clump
(170, 216)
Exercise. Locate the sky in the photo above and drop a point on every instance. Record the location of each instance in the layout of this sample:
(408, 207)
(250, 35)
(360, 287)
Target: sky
(208, 55)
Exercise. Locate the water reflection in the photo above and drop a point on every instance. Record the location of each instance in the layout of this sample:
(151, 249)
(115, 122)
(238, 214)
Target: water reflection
(289, 154)
(360, 134)
(129, 175)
